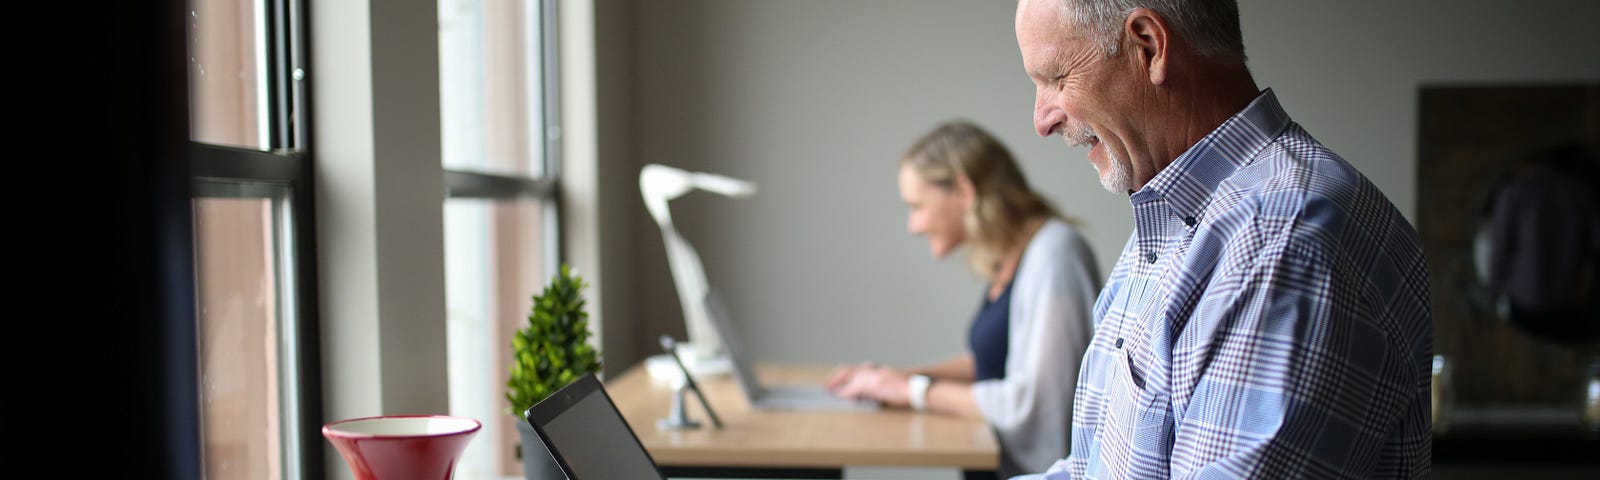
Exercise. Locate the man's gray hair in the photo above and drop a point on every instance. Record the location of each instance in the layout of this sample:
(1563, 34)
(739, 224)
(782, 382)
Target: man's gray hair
(1212, 26)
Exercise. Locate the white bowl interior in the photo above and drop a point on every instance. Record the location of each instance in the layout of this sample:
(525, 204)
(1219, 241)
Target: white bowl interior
(402, 426)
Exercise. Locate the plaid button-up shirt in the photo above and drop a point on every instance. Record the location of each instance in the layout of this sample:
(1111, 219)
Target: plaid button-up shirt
(1268, 318)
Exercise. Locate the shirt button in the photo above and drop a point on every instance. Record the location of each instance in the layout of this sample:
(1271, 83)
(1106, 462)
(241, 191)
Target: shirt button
(1119, 343)
(1188, 221)
(1150, 257)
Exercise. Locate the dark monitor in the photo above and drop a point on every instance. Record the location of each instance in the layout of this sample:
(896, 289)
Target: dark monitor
(587, 435)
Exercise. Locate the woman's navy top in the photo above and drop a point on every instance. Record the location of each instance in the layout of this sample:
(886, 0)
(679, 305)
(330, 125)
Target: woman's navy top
(989, 337)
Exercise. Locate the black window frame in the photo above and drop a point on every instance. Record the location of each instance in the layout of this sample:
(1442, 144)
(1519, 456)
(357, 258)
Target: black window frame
(287, 161)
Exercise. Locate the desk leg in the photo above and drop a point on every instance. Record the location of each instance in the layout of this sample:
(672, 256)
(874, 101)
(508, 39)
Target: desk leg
(752, 472)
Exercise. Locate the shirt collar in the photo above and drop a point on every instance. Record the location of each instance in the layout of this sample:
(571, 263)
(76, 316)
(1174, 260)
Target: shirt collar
(1189, 181)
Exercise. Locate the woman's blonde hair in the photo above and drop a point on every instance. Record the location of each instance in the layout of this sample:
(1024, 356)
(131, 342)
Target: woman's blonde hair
(1003, 204)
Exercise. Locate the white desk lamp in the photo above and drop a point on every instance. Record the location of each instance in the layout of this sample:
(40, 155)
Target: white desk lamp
(703, 352)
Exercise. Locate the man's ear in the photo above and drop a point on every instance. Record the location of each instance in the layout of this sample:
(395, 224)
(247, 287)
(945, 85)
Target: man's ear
(1148, 39)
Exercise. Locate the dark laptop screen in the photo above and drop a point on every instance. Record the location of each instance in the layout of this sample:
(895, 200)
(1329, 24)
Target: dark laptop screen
(588, 437)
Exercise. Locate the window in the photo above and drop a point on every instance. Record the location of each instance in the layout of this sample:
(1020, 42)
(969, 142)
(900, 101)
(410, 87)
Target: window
(254, 259)
(498, 117)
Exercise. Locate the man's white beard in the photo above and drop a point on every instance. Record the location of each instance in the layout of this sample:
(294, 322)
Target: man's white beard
(1119, 179)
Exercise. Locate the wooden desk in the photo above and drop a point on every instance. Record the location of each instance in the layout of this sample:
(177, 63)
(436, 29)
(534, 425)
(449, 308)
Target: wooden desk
(754, 442)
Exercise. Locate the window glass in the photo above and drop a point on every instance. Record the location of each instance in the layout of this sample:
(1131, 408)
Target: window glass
(494, 262)
(491, 88)
(498, 240)
(240, 311)
(227, 61)
(259, 399)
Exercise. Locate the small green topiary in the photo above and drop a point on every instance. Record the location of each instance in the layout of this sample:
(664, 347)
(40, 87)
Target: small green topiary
(554, 349)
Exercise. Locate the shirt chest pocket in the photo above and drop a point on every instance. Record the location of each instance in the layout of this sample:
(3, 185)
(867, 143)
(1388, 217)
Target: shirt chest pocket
(1132, 358)
(1122, 399)
(1126, 378)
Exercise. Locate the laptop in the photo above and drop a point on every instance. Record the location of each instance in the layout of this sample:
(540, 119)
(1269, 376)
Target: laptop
(770, 397)
(587, 436)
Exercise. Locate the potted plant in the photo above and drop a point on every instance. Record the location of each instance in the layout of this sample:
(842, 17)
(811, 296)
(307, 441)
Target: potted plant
(552, 351)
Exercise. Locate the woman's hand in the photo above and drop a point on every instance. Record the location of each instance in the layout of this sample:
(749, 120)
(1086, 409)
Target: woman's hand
(868, 381)
(842, 374)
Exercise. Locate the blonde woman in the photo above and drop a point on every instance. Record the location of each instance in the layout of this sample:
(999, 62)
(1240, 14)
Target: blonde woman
(963, 188)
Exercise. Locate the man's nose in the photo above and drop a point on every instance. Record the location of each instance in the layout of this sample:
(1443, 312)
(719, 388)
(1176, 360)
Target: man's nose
(1046, 116)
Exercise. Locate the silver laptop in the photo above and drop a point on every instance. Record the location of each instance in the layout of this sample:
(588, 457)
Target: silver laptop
(770, 397)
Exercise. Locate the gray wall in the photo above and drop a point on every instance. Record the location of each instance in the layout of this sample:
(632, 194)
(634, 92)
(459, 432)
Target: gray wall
(815, 101)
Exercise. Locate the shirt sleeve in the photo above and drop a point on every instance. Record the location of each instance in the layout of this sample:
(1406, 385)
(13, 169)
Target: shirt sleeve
(1052, 299)
(1296, 374)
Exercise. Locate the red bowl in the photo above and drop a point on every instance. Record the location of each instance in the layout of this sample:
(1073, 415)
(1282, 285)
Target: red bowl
(402, 447)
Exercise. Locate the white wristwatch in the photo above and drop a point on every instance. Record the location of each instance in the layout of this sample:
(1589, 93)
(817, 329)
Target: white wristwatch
(919, 391)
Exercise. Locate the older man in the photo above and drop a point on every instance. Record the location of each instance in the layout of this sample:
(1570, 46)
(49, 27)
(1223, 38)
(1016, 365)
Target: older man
(1269, 315)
